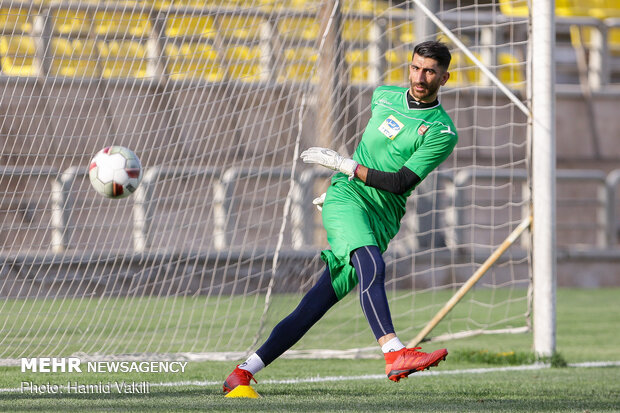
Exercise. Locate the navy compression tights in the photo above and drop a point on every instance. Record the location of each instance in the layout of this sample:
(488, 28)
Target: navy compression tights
(370, 269)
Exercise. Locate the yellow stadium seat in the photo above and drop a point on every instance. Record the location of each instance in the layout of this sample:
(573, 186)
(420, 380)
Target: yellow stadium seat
(360, 6)
(299, 72)
(243, 52)
(74, 58)
(231, 4)
(305, 28)
(582, 35)
(396, 76)
(70, 22)
(397, 67)
(604, 9)
(190, 25)
(305, 5)
(194, 61)
(356, 29)
(306, 54)
(300, 65)
(270, 5)
(458, 76)
(244, 63)
(613, 39)
(359, 75)
(122, 24)
(398, 56)
(474, 75)
(607, 9)
(196, 3)
(601, 9)
(566, 8)
(123, 59)
(357, 60)
(463, 71)
(519, 8)
(240, 27)
(357, 56)
(514, 8)
(364, 6)
(18, 56)
(402, 32)
(509, 70)
(155, 4)
(15, 20)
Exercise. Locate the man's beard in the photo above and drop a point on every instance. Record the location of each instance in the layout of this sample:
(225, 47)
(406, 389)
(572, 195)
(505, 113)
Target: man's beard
(430, 90)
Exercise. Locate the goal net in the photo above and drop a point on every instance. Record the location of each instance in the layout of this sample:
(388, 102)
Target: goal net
(221, 239)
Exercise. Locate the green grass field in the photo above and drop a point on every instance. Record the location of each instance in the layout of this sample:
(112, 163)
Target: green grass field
(127, 325)
(588, 330)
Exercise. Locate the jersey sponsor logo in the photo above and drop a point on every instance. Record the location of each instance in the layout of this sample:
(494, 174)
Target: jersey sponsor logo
(422, 129)
(391, 127)
(385, 102)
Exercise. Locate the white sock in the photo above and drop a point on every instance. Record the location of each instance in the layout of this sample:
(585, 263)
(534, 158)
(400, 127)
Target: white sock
(392, 345)
(253, 364)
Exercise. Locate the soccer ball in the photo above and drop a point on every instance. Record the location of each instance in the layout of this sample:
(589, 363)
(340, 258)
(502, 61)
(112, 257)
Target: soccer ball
(115, 172)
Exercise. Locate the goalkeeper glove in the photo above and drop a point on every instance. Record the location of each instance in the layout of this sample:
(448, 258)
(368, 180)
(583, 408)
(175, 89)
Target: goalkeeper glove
(330, 159)
(319, 201)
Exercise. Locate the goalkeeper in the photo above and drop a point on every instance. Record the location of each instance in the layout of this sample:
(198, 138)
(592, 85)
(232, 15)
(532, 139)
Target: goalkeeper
(408, 135)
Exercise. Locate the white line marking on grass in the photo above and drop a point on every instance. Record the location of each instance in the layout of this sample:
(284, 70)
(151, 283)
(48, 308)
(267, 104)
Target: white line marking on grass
(596, 364)
(418, 374)
(319, 379)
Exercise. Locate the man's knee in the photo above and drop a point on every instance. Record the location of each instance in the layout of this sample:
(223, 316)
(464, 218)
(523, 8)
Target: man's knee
(369, 263)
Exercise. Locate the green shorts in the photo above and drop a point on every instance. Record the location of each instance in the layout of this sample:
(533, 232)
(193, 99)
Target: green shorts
(350, 223)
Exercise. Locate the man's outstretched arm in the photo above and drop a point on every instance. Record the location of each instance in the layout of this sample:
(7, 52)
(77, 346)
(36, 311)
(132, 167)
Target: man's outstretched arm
(396, 182)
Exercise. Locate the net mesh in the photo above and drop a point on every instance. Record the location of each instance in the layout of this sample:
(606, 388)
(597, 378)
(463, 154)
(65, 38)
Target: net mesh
(217, 98)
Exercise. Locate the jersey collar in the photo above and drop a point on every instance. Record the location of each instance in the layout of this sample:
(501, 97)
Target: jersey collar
(414, 104)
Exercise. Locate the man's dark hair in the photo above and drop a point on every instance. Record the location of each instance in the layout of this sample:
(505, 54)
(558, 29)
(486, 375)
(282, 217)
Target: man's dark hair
(434, 50)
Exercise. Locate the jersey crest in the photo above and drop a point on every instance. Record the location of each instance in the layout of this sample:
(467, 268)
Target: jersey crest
(422, 129)
(391, 127)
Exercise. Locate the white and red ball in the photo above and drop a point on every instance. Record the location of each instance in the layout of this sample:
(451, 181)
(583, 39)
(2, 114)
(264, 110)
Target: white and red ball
(115, 172)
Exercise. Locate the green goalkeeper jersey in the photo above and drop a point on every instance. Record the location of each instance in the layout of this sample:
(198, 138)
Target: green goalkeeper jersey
(396, 136)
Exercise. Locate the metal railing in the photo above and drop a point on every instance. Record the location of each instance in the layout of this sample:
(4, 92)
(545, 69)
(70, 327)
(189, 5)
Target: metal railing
(302, 227)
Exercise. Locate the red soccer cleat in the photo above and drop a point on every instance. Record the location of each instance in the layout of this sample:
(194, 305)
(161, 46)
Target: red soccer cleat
(402, 363)
(238, 377)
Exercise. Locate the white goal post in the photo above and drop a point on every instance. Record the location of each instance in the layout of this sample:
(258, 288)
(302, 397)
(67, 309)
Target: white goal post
(543, 156)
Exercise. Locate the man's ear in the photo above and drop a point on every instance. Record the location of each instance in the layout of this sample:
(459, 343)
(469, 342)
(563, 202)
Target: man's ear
(444, 78)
